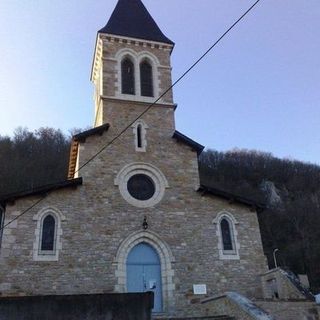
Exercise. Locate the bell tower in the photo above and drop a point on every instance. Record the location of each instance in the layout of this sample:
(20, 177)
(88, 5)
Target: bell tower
(131, 67)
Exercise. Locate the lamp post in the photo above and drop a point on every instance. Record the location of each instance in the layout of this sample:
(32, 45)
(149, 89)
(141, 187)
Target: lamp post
(274, 257)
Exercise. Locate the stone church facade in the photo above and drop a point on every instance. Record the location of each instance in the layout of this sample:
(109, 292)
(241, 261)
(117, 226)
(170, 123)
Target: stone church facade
(132, 215)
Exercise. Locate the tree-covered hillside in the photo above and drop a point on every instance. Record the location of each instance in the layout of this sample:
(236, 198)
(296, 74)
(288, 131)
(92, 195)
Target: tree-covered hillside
(30, 159)
(291, 190)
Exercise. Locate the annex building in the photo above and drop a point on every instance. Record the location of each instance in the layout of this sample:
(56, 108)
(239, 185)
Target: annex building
(132, 215)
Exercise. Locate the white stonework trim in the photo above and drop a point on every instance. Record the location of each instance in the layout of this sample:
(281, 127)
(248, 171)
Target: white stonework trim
(166, 261)
(138, 41)
(158, 178)
(137, 58)
(143, 127)
(227, 254)
(96, 59)
(141, 101)
(39, 255)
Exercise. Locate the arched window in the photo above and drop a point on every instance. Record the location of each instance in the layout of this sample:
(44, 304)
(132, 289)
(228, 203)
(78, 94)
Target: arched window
(47, 243)
(226, 231)
(140, 131)
(146, 79)
(48, 234)
(227, 236)
(139, 137)
(127, 76)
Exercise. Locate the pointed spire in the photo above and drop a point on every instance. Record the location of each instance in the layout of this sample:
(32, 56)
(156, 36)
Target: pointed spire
(130, 18)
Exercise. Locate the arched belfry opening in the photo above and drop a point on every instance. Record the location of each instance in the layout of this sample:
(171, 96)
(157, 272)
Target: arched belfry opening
(146, 79)
(127, 76)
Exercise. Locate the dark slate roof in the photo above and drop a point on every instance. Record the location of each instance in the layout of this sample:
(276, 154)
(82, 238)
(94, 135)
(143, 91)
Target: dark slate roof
(191, 143)
(232, 197)
(130, 18)
(81, 137)
(40, 190)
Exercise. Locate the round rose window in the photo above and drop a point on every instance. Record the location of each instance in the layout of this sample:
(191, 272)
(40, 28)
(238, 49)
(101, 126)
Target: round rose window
(141, 187)
(141, 184)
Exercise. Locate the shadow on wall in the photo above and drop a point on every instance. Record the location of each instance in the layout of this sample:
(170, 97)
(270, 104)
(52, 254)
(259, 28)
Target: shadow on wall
(127, 306)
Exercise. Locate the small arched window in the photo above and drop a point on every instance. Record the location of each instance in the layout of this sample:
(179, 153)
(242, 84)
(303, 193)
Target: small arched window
(48, 234)
(228, 244)
(227, 235)
(139, 136)
(146, 79)
(139, 131)
(127, 76)
(47, 243)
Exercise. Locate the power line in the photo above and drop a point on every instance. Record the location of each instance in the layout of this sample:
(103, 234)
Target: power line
(165, 92)
(146, 110)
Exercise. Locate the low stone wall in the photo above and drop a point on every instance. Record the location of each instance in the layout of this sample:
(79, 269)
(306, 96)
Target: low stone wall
(291, 310)
(131, 306)
(235, 305)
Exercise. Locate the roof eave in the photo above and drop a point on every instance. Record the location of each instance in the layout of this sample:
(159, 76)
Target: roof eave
(40, 190)
(232, 197)
(81, 137)
(191, 143)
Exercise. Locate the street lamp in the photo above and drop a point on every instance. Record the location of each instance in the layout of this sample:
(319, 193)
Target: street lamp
(274, 257)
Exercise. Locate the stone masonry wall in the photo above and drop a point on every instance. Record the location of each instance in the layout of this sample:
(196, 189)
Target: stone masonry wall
(110, 67)
(98, 220)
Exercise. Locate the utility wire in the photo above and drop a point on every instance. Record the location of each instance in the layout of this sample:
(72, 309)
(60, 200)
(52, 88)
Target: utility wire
(146, 110)
(165, 92)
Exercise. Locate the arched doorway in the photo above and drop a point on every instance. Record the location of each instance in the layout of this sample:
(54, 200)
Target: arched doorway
(144, 272)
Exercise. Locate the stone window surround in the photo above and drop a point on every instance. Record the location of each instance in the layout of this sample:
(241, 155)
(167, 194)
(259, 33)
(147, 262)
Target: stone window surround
(151, 171)
(227, 254)
(38, 255)
(143, 127)
(166, 261)
(137, 58)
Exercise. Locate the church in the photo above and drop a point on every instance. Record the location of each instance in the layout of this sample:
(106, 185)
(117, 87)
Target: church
(132, 215)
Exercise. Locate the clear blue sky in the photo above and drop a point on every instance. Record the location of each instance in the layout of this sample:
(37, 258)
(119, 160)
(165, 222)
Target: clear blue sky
(259, 89)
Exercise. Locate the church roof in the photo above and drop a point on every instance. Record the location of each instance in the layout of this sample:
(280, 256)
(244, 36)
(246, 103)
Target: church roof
(130, 18)
(40, 190)
(186, 140)
(81, 137)
(232, 197)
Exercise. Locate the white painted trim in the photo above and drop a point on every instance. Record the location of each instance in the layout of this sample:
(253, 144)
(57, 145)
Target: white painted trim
(39, 255)
(136, 41)
(227, 254)
(160, 183)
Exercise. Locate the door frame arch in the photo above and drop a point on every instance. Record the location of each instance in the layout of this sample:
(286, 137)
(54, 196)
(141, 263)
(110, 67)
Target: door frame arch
(166, 261)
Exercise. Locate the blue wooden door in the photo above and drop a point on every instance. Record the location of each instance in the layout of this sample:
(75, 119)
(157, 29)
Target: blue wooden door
(144, 273)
